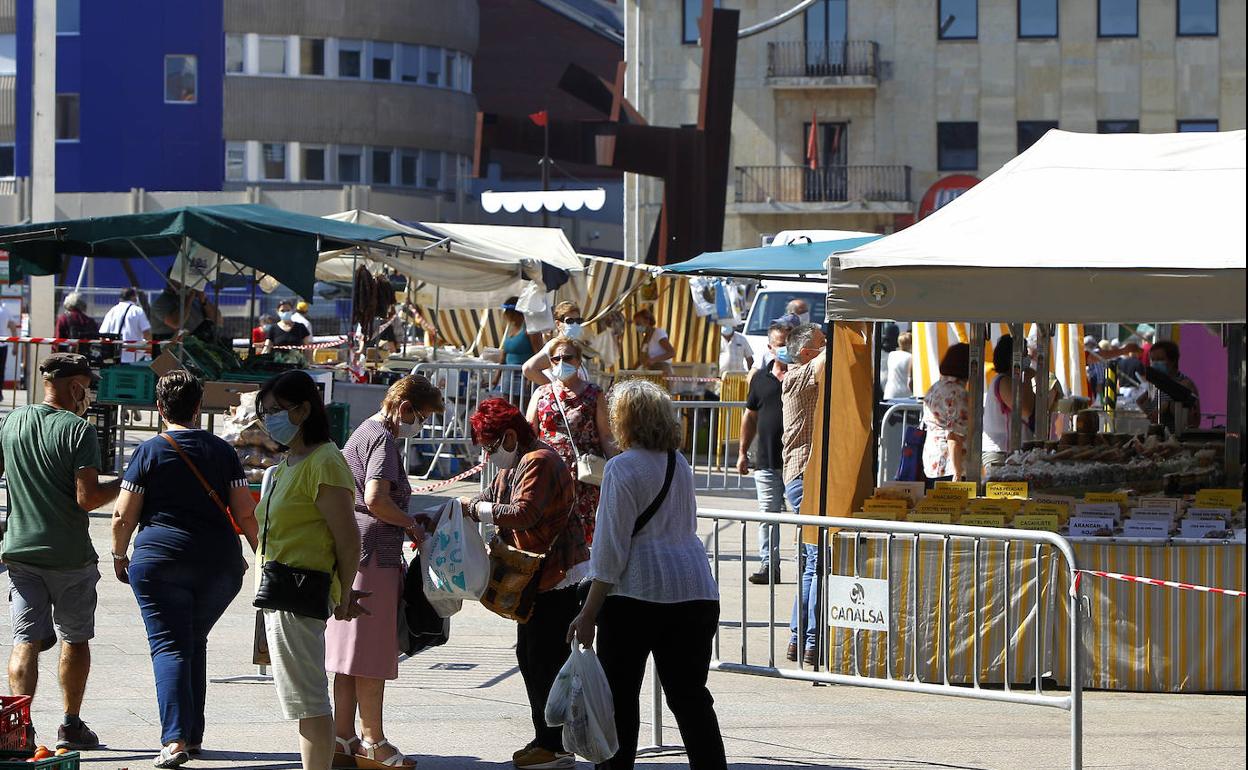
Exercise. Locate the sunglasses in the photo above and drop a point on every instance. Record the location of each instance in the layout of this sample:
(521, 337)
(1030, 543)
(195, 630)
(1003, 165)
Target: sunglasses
(574, 320)
(570, 358)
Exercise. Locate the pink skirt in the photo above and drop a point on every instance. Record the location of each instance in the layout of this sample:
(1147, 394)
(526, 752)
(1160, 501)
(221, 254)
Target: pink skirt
(368, 646)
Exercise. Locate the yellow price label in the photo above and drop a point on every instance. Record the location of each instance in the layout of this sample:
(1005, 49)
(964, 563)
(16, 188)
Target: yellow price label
(982, 520)
(1060, 510)
(878, 515)
(1219, 498)
(970, 488)
(928, 505)
(876, 504)
(930, 517)
(985, 505)
(1005, 489)
(1043, 521)
(1107, 497)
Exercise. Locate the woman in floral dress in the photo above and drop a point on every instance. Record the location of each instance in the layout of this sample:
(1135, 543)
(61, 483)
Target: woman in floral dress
(580, 427)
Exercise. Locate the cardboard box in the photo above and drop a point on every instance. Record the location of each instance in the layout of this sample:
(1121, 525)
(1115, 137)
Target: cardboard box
(223, 395)
(164, 363)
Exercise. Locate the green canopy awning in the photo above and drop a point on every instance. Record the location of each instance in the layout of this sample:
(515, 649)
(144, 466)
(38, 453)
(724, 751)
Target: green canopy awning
(279, 243)
(793, 262)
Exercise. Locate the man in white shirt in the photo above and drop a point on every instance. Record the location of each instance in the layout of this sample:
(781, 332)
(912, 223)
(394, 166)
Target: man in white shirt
(897, 370)
(298, 317)
(734, 350)
(127, 321)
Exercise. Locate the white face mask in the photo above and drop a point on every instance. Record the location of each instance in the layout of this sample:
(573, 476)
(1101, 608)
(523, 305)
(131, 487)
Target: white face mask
(408, 429)
(563, 371)
(501, 458)
(804, 317)
(573, 331)
(286, 315)
(727, 330)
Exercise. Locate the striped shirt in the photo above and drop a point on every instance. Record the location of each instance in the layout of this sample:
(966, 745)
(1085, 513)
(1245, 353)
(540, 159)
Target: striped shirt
(373, 453)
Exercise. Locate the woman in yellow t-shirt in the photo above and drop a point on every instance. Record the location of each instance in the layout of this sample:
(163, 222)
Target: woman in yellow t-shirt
(306, 521)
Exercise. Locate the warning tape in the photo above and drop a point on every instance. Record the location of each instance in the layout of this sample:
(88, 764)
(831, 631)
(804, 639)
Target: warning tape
(312, 345)
(443, 484)
(692, 379)
(1156, 582)
(134, 344)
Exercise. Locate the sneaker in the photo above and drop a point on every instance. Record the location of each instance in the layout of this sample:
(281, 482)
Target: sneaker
(78, 738)
(538, 758)
(515, 756)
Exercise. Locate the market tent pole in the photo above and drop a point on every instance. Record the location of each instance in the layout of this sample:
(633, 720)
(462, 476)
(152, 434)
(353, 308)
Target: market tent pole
(973, 465)
(1235, 375)
(829, 351)
(251, 316)
(1016, 388)
(184, 254)
(1044, 347)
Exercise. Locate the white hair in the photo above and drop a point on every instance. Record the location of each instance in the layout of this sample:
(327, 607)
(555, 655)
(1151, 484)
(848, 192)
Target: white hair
(74, 300)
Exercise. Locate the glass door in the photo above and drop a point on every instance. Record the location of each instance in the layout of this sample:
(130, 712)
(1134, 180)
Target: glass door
(826, 29)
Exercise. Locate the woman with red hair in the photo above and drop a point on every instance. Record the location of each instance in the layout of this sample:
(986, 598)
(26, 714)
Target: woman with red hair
(530, 503)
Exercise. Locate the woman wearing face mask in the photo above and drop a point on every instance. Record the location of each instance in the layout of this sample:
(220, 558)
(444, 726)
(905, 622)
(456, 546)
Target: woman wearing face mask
(570, 414)
(530, 502)
(568, 323)
(307, 523)
(286, 331)
(363, 653)
(656, 349)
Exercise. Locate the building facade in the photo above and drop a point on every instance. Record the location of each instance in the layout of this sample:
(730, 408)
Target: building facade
(220, 95)
(914, 100)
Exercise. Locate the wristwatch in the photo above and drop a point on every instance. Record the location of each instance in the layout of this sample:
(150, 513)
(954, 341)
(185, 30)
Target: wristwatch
(119, 556)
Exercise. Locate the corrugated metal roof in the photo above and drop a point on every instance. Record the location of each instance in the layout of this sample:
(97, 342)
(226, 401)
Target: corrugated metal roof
(605, 17)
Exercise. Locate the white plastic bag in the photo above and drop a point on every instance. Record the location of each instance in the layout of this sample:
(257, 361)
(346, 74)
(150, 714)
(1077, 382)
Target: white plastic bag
(454, 557)
(580, 700)
(533, 303)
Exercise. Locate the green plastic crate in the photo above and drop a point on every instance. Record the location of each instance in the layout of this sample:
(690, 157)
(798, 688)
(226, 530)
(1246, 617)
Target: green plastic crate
(70, 761)
(339, 422)
(127, 384)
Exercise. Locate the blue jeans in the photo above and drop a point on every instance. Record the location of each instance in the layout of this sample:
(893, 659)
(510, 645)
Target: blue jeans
(181, 602)
(769, 485)
(806, 595)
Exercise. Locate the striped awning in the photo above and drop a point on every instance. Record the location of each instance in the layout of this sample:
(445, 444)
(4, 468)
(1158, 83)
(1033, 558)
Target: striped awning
(931, 340)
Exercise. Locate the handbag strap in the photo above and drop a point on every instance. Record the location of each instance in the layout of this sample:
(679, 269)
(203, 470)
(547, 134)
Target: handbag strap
(212, 493)
(554, 396)
(653, 508)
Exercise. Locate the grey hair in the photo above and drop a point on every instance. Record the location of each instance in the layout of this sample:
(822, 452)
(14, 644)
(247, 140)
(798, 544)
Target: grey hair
(74, 300)
(800, 336)
(795, 303)
(642, 416)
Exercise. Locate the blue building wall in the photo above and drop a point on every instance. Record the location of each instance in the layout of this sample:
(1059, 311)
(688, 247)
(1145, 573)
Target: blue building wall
(129, 136)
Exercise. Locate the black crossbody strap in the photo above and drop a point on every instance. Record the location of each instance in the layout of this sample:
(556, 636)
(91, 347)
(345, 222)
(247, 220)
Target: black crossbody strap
(648, 514)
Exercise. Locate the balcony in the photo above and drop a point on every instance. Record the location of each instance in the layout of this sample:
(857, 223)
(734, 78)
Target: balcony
(803, 190)
(835, 64)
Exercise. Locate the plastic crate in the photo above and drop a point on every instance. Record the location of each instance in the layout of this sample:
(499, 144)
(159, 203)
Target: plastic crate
(104, 418)
(339, 422)
(127, 384)
(248, 376)
(69, 761)
(15, 726)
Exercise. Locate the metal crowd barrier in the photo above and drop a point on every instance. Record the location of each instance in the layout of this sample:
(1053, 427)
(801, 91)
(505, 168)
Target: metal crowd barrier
(912, 681)
(892, 434)
(712, 438)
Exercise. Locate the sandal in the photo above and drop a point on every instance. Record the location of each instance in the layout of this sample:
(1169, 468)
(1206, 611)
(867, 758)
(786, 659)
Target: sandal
(368, 757)
(344, 753)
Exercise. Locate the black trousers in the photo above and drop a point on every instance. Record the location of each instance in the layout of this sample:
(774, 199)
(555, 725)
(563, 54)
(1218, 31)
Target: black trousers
(679, 636)
(541, 650)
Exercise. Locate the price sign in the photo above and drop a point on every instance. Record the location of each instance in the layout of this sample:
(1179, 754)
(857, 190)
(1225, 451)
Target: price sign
(1200, 527)
(1119, 498)
(1219, 498)
(1103, 509)
(1152, 514)
(884, 504)
(982, 519)
(1047, 522)
(911, 490)
(969, 488)
(998, 490)
(1146, 529)
(929, 505)
(1160, 503)
(984, 505)
(1221, 514)
(930, 517)
(1089, 526)
(1060, 510)
(878, 515)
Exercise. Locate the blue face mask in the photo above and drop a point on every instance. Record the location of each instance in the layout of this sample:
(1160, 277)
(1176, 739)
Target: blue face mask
(563, 371)
(280, 428)
(784, 356)
(1161, 366)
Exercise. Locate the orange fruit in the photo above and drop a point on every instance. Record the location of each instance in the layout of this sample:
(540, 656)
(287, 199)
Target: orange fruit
(59, 752)
(43, 752)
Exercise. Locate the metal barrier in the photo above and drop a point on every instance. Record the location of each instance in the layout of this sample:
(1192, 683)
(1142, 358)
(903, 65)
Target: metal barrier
(916, 535)
(712, 438)
(892, 434)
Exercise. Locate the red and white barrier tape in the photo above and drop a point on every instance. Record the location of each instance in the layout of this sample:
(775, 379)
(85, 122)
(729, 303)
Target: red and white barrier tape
(1156, 582)
(134, 344)
(692, 379)
(452, 480)
(313, 345)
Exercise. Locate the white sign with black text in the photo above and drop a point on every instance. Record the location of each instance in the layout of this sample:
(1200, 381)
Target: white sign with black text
(855, 602)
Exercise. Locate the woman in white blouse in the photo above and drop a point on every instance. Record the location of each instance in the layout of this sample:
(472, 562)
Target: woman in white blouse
(652, 590)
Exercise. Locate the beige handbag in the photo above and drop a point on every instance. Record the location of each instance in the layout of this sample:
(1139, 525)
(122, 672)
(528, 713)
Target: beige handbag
(589, 467)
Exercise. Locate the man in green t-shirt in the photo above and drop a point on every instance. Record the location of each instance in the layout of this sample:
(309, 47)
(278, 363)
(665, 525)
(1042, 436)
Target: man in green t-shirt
(51, 459)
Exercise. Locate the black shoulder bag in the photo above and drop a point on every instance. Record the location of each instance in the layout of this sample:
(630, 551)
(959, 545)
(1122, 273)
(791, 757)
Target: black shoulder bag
(653, 508)
(285, 588)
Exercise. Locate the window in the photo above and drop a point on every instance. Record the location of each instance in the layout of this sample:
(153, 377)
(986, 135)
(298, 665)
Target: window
(409, 65)
(432, 163)
(274, 154)
(67, 117)
(312, 56)
(272, 56)
(68, 17)
(958, 20)
(380, 167)
(690, 15)
(1198, 17)
(1037, 18)
(826, 28)
(1118, 18)
(1188, 126)
(409, 168)
(234, 53)
(1030, 131)
(235, 161)
(1117, 126)
(181, 83)
(449, 78)
(957, 146)
(350, 165)
(6, 160)
(350, 58)
(383, 59)
(8, 54)
(433, 66)
(314, 164)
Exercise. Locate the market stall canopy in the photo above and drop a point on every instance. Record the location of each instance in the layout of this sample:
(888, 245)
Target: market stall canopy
(1079, 228)
(479, 266)
(794, 261)
(279, 243)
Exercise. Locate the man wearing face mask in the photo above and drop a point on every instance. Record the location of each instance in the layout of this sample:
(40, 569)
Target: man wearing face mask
(1163, 358)
(734, 350)
(764, 417)
(52, 566)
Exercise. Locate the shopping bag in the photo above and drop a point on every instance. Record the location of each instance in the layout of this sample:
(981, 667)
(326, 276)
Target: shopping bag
(580, 700)
(420, 625)
(910, 467)
(454, 557)
(534, 303)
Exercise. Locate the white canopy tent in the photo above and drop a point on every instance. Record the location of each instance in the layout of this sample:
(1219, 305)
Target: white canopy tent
(1080, 228)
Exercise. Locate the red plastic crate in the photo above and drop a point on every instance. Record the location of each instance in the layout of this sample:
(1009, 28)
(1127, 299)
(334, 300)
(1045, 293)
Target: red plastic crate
(15, 726)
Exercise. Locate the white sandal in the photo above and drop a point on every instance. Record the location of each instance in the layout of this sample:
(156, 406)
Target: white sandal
(368, 757)
(344, 754)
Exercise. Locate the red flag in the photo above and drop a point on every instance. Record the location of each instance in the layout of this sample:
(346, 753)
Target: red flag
(539, 118)
(812, 142)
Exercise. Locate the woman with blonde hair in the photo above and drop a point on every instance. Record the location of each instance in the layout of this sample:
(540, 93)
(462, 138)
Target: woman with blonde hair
(652, 591)
(570, 414)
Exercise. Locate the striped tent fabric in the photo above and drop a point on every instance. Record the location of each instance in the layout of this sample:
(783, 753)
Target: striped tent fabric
(609, 282)
(470, 329)
(931, 340)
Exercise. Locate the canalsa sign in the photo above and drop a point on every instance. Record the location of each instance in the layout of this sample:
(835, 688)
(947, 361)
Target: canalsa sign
(860, 603)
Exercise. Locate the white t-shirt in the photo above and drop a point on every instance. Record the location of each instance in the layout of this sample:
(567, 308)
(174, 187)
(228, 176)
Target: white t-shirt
(897, 382)
(654, 349)
(733, 352)
(128, 321)
(300, 318)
